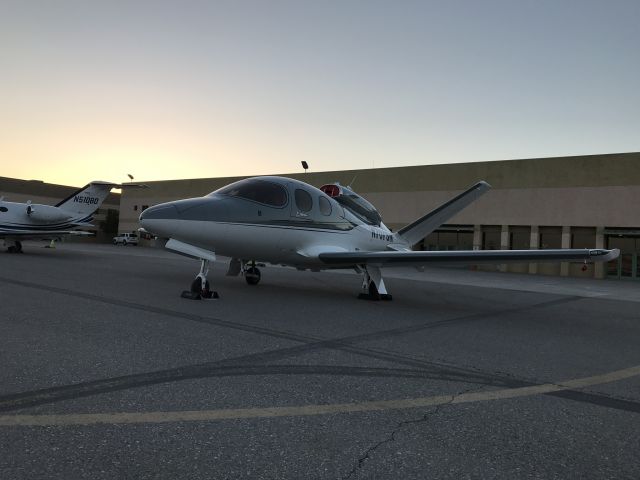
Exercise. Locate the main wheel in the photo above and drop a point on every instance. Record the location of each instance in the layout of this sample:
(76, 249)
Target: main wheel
(196, 287)
(252, 276)
(373, 291)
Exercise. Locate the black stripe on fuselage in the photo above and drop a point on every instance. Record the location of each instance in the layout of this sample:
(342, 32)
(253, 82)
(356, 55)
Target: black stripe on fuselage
(18, 228)
(285, 224)
(34, 235)
(46, 226)
(35, 228)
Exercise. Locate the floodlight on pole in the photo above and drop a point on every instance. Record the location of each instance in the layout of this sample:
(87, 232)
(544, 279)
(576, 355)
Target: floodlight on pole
(305, 165)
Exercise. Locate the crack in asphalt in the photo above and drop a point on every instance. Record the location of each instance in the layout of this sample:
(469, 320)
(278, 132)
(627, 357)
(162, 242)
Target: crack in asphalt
(402, 426)
(391, 438)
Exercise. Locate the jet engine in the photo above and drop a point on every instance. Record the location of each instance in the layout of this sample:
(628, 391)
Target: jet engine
(46, 213)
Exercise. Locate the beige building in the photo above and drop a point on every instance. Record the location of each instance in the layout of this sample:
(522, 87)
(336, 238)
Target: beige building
(561, 202)
(15, 190)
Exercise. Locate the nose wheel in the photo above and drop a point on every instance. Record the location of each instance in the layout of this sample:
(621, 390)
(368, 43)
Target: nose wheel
(252, 275)
(200, 287)
(15, 248)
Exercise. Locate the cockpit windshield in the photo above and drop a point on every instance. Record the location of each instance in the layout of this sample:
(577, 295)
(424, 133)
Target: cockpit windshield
(261, 191)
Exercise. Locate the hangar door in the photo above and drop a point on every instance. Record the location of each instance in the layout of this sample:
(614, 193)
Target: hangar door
(627, 265)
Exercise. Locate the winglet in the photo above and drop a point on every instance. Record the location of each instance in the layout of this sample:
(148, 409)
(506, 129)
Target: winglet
(602, 255)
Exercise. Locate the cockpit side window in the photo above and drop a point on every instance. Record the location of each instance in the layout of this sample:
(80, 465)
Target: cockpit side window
(260, 191)
(360, 207)
(325, 206)
(304, 202)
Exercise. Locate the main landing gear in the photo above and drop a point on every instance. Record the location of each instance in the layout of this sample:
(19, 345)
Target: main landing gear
(249, 270)
(15, 248)
(200, 287)
(373, 287)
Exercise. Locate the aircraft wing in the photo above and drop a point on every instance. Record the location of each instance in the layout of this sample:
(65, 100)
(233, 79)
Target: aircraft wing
(421, 258)
(189, 250)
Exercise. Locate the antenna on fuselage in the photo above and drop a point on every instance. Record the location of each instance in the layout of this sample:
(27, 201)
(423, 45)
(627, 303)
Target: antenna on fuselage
(352, 182)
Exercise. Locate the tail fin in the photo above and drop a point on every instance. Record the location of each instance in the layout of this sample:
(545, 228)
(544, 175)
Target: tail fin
(416, 231)
(86, 200)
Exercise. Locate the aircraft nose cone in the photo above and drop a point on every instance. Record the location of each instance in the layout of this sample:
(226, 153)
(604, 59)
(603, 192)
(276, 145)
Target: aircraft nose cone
(184, 219)
(199, 209)
(157, 219)
(164, 211)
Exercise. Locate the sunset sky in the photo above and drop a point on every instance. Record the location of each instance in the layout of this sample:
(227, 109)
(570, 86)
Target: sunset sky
(186, 89)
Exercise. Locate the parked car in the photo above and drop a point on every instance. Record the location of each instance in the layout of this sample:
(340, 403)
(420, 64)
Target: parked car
(126, 239)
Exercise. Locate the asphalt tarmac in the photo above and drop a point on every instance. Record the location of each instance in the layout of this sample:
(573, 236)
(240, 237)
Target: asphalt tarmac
(107, 373)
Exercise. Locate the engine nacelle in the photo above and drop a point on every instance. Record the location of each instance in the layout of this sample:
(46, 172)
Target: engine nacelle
(46, 213)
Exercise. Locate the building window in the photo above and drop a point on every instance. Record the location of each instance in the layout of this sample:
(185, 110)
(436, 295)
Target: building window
(550, 237)
(520, 238)
(448, 240)
(491, 237)
(135, 208)
(583, 237)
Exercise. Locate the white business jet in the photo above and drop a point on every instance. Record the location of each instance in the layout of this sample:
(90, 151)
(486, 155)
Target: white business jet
(283, 221)
(32, 221)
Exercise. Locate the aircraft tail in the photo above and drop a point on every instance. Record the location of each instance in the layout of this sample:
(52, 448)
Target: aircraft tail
(86, 200)
(416, 231)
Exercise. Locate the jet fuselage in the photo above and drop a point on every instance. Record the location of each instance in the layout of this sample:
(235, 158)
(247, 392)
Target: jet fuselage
(269, 219)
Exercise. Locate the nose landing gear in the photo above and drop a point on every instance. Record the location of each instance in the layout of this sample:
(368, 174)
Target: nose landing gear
(200, 287)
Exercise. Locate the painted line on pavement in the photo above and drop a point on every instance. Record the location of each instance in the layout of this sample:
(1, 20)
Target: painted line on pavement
(306, 410)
